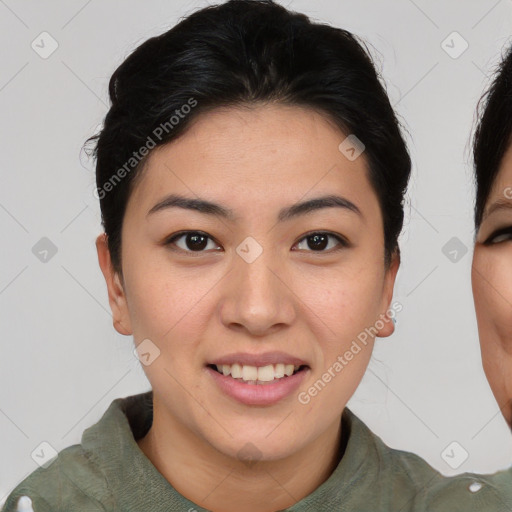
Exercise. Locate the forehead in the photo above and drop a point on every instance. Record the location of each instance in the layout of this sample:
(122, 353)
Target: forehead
(505, 169)
(503, 177)
(499, 199)
(282, 150)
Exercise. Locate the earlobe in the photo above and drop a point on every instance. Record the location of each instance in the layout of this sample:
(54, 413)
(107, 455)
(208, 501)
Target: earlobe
(116, 294)
(386, 323)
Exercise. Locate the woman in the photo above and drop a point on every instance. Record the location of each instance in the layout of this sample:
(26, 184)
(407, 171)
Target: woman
(251, 174)
(491, 271)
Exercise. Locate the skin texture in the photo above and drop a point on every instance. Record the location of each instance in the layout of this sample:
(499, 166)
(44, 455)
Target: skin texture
(492, 287)
(197, 306)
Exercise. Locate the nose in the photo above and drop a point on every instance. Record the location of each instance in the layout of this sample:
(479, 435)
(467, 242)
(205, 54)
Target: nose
(258, 297)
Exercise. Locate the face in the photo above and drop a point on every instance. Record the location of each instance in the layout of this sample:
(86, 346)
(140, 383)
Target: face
(492, 286)
(279, 271)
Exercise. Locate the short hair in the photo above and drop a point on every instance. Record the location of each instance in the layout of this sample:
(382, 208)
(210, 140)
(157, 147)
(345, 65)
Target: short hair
(239, 53)
(493, 133)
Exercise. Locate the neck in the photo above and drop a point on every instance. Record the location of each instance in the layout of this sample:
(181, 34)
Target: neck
(221, 483)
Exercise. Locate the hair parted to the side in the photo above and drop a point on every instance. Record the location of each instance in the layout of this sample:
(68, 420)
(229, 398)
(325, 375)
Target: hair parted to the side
(493, 134)
(240, 53)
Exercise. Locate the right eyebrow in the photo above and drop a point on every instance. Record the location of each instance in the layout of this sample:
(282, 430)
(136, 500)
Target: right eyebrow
(188, 203)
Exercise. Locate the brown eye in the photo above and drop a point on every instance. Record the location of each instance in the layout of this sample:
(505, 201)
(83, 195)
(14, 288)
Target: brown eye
(320, 241)
(192, 241)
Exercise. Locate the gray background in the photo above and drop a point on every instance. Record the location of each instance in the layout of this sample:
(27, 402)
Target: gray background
(63, 363)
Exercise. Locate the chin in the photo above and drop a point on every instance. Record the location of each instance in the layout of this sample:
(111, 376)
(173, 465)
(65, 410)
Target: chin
(253, 449)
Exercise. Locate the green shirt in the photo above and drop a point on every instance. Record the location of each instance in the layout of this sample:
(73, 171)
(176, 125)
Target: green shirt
(108, 471)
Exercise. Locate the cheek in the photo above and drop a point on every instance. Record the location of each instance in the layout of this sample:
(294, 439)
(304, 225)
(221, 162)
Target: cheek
(347, 305)
(165, 301)
(492, 291)
(346, 300)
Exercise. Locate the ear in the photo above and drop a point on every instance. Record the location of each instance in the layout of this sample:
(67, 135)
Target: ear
(116, 294)
(387, 296)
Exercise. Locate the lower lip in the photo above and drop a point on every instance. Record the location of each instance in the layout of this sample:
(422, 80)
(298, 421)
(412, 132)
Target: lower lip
(258, 394)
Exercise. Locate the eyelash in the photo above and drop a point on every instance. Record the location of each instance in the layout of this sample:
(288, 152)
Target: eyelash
(497, 233)
(343, 243)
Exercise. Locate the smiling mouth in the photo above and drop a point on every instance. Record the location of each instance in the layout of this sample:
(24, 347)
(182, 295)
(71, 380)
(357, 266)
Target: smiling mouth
(259, 375)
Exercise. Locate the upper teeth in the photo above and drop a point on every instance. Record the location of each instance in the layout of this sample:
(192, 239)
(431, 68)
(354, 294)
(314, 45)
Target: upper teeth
(254, 373)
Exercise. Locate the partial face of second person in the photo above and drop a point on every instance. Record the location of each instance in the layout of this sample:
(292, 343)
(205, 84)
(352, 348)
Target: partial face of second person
(492, 286)
(199, 300)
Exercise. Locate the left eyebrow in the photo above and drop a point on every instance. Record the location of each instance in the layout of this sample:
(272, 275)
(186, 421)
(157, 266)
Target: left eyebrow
(293, 211)
(500, 204)
(330, 201)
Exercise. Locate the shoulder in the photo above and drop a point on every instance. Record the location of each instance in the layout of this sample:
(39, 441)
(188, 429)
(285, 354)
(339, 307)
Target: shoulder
(411, 484)
(72, 480)
(382, 478)
(390, 464)
(469, 491)
(92, 476)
